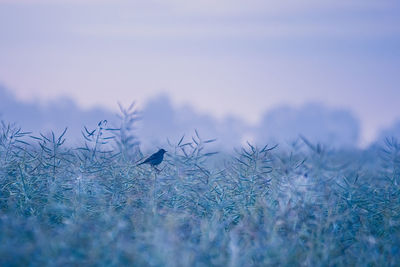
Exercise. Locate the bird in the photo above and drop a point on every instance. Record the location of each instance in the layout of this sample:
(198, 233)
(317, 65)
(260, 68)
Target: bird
(155, 159)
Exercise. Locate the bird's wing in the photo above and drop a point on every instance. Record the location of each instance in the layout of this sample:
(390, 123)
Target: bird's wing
(149, 159)
(152, 157)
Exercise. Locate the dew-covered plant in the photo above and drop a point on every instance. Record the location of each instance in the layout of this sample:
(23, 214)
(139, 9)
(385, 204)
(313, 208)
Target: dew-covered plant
(93, 204)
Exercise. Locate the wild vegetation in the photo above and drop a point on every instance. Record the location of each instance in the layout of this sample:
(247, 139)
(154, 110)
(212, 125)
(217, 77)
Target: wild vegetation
(260, 206)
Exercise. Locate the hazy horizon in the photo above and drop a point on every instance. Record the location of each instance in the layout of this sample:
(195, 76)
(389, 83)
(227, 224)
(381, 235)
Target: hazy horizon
(159, 120)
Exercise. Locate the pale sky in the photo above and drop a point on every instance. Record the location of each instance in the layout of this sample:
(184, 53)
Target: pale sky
(224, 57)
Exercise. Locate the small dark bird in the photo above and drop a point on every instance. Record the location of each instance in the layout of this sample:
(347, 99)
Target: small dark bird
(154, 159)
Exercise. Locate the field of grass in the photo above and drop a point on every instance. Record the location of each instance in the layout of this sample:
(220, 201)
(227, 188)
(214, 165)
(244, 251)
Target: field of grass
(258, 206)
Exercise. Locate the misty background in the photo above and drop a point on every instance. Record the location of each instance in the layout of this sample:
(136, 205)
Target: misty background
(159, 121)
(263, 71)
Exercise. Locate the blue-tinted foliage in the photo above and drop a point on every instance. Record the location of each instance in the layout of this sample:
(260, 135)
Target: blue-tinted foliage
(95, 205)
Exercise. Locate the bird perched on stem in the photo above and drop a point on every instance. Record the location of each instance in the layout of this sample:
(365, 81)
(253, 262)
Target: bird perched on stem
(155, 159)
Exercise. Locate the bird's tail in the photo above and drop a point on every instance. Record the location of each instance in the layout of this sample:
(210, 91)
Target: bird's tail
(138, 164)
